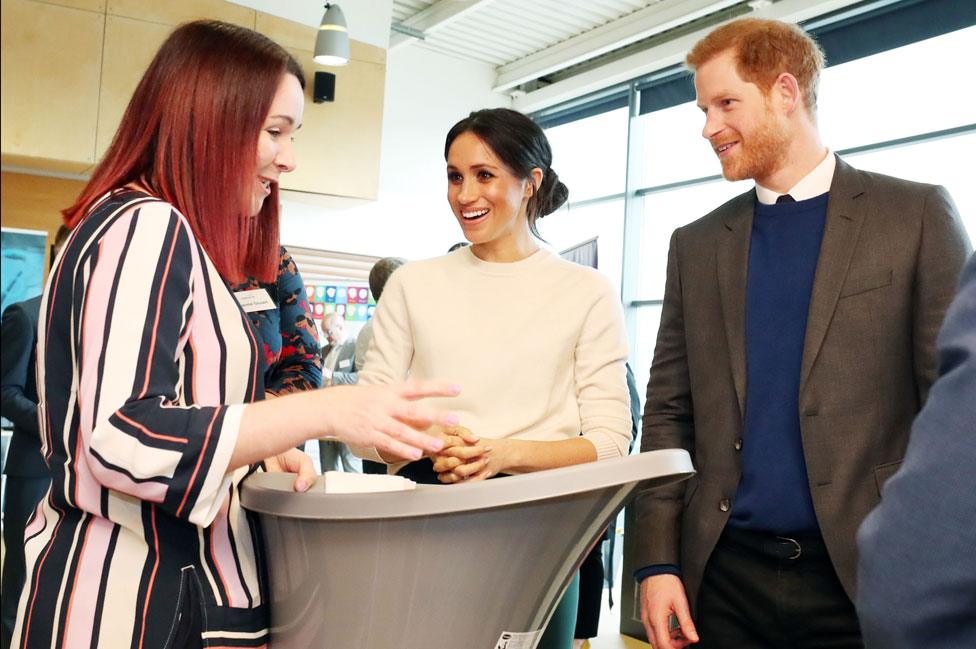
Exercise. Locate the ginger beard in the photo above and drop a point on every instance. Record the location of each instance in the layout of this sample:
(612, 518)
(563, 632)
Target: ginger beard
(761, 152)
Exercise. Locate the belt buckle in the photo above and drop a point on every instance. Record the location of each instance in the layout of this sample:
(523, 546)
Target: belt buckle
(797, 549)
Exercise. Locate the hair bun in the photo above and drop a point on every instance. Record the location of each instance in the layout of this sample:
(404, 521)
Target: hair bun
(551, 195)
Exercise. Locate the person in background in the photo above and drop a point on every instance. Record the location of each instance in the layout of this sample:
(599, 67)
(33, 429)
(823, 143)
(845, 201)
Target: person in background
(379, 274)
(593, 577)
(537, 340)
(796, 345)
(287, 334)
(339, 354)
(338, 368)
(27, 474)
(148, 384)
(917, 569)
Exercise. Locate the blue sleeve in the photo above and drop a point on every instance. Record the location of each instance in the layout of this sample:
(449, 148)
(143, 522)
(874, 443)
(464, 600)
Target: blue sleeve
(660, 569)
(300, 365)
(917, 569)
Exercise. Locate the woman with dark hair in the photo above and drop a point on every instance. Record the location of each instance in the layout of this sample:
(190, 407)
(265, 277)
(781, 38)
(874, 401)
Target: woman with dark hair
(148, 368)
(538, 341)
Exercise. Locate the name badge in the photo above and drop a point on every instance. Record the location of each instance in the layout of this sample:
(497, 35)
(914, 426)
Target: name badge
(255, 299)
(344, 364)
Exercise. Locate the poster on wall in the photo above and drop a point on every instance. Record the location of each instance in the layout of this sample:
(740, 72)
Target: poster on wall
(353, 301)
(24, 258)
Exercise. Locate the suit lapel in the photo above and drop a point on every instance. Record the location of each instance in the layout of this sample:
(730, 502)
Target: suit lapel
(732, 265)
(841, 230)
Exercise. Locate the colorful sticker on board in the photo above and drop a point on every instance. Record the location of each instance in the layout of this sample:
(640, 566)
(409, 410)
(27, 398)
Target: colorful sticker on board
(342, 295)
(330, 294)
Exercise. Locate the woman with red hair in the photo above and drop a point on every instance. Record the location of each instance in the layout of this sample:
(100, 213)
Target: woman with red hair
(148, 374)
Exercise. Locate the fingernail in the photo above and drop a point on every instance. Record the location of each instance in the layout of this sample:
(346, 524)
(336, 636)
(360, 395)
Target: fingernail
(455, 388)
(301, 485)
(453, 420)
(416, 454)
(489, 449)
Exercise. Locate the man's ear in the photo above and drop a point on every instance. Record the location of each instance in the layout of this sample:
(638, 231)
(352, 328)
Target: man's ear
(786, 92)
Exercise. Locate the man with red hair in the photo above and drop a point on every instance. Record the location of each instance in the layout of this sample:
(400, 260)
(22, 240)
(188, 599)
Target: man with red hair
(796, 345)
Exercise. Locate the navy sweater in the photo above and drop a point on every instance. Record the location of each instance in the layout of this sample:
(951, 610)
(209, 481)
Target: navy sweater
(774, 492)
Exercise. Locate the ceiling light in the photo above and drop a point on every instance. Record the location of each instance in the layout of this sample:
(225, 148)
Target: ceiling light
(332, 42)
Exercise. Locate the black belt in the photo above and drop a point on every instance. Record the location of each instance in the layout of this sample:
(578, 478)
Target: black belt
(783, 547)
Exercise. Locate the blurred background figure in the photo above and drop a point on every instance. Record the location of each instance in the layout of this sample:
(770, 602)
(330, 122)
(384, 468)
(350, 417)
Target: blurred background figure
(339, 353)
(378, 276)
(27, 474)
(338, 368)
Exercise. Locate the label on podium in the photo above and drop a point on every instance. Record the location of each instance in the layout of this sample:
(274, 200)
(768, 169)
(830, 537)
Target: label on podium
(515, 640)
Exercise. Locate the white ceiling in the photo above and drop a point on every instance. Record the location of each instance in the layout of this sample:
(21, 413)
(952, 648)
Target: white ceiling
(548, 51)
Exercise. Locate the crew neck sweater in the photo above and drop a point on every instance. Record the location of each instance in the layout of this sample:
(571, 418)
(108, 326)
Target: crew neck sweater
(774, 492)
(537, 346)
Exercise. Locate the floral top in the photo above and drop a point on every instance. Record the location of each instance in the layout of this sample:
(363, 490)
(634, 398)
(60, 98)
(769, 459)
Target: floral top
(287, 335)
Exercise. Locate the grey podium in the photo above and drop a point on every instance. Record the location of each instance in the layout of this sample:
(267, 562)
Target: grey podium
(474, 566)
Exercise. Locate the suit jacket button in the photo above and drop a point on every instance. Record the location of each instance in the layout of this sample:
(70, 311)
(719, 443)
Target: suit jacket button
(738, 444)
(724, 505)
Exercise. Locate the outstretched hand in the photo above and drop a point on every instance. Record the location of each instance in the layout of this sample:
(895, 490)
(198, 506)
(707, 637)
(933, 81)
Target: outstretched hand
(391, 417)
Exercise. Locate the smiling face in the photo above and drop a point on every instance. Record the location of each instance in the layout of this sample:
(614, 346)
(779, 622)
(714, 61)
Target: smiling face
(488, 200)
(748, 134)
(276, 153)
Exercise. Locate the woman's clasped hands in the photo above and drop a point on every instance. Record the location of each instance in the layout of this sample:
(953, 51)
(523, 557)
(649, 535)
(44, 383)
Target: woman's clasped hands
(466, 457)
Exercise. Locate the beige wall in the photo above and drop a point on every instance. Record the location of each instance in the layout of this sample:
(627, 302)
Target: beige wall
(70, 66)
(35, 202)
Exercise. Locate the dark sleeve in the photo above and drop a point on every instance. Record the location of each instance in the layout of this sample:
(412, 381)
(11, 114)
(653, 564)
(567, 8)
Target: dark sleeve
(668, 423)
(917, 568)
(19, 336)
(942, 253)
(300, 365)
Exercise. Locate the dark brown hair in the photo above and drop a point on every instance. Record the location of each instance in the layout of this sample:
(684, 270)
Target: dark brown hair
(521, 146)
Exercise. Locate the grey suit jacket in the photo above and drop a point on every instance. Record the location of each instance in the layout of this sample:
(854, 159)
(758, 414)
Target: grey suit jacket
(345, 371)
(889, 261)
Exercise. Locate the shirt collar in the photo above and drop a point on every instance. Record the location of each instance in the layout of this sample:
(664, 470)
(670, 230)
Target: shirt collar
(815, 183)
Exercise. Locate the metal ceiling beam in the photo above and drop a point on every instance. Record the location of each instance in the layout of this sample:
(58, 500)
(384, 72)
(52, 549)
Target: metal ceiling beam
(629, 29)
(663, 56)
(436, 16)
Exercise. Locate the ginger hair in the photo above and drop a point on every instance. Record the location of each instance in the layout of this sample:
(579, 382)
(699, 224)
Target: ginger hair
(764, 49)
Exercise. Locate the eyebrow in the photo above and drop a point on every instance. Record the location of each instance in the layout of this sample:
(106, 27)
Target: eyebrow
(480, 165)
(287, 118)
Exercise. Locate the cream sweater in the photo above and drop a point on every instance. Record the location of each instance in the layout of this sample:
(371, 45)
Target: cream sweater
(537, 346)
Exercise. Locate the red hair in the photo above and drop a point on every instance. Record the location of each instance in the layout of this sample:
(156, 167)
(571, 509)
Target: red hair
(764, 49)
(190, 135)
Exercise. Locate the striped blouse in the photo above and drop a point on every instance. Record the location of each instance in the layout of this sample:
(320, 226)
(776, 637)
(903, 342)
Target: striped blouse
(144, 362)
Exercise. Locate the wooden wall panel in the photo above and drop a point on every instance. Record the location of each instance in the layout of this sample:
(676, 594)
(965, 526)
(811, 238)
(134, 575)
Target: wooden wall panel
(51, 66)
(35, 202)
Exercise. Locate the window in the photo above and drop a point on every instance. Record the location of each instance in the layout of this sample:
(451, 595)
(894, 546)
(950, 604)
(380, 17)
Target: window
(590, 155)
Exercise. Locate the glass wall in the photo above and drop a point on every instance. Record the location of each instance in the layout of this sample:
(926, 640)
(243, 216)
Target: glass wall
(906, 112)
